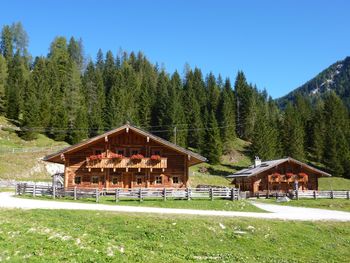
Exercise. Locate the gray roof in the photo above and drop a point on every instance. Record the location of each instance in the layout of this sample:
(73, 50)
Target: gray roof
(252, 170)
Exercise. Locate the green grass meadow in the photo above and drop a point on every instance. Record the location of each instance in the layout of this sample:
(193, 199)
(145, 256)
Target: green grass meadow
(87, 236)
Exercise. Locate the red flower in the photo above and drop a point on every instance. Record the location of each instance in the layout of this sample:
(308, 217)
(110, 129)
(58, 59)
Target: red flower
(276, 175)
(95, 157)
(115, 156)
(289, 175)
(155, 157)
(137, 157)
(302, 175)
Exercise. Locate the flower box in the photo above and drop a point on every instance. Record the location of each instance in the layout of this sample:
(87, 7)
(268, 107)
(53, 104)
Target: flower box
(156, 158)
(289, 175)
(136, 157)
(116, 156)
(95, 157)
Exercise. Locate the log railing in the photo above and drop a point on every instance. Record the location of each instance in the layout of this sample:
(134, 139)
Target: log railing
(126, 162)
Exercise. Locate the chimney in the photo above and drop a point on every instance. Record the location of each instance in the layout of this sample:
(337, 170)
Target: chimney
(257, 161)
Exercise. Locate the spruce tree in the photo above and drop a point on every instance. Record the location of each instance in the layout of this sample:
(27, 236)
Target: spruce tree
(93, 90)
(213, 145)
(293, 133)
(6, 43)
(226, 114)
(264, 139)
(336, 154)
(3, 81)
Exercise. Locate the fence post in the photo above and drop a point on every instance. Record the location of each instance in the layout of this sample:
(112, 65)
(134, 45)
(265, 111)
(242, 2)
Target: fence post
(117, 195)
(267, 194)
(97, 195)
(164, 194)
(332, 195)
(188, 193)
(54, 191)
(75, 193)
(211, 194)
(348, 195)
(297, 194)
(232, 194)
(315, 197)
(140, 195)
(34, 189)
(258, 195)
(276, 195)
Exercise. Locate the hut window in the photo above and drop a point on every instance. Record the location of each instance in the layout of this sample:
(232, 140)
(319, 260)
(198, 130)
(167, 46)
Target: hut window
(175, 180)
(134, 151)
(94, 179)
(158, 180)
(120, 151)
(139, 180)
(156, 152)
(97, 151)
(115, 180)
(77, 180)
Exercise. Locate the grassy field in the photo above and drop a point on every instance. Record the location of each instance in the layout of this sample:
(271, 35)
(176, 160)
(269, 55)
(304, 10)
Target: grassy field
(334, 183)
(201, 204)
(235, 158)
(19, 159)
(82, 236)
(332, 204)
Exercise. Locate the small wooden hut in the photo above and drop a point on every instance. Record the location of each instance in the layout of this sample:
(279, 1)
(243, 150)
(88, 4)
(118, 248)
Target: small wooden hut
(277, 175)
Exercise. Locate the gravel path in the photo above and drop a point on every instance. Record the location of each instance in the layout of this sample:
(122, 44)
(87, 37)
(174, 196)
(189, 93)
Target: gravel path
(7, 200)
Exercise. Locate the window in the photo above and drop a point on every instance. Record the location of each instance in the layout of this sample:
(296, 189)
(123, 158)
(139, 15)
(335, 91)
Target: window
(94, 179)
(77, 180)
(97, 151)
(156, 152)
(120, 151)
(175, 180)
(134, 151)
(158, 180)
(139, 180)
(115, 180)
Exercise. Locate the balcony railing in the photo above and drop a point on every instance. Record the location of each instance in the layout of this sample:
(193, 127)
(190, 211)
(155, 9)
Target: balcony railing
(126, 163)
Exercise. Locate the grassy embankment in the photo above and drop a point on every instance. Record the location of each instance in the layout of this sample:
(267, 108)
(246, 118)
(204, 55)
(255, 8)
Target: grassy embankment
(19, 159)
(86, 236)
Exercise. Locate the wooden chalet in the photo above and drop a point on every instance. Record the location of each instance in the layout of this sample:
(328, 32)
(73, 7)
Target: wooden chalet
(277, 175)
(126, 157)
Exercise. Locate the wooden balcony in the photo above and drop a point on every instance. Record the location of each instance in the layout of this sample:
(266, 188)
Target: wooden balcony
(126, 163)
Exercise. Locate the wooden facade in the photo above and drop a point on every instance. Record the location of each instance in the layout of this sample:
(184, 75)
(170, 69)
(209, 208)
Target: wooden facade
(104, 172)
(281, 175)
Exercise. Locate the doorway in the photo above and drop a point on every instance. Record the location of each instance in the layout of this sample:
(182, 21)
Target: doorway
(127, 180)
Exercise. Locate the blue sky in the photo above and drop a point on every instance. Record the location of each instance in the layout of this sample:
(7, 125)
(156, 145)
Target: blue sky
(278, 44)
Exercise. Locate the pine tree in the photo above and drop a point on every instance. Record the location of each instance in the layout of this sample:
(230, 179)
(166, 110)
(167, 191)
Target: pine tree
(264, 139)
(293, 133)
(243, 105)
(6, 44)
(176, 112)
(213, 145)
(109, 71)
(31, 118)
(95, 99)
(17, 76)
(213, 93)
(3, 81)
(75, 50)
(336, 154)
(318, 131)
(226, 113)
(194, 117)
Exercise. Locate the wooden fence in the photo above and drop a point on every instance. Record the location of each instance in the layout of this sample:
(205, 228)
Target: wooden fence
(135, 193)
(308, 194)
